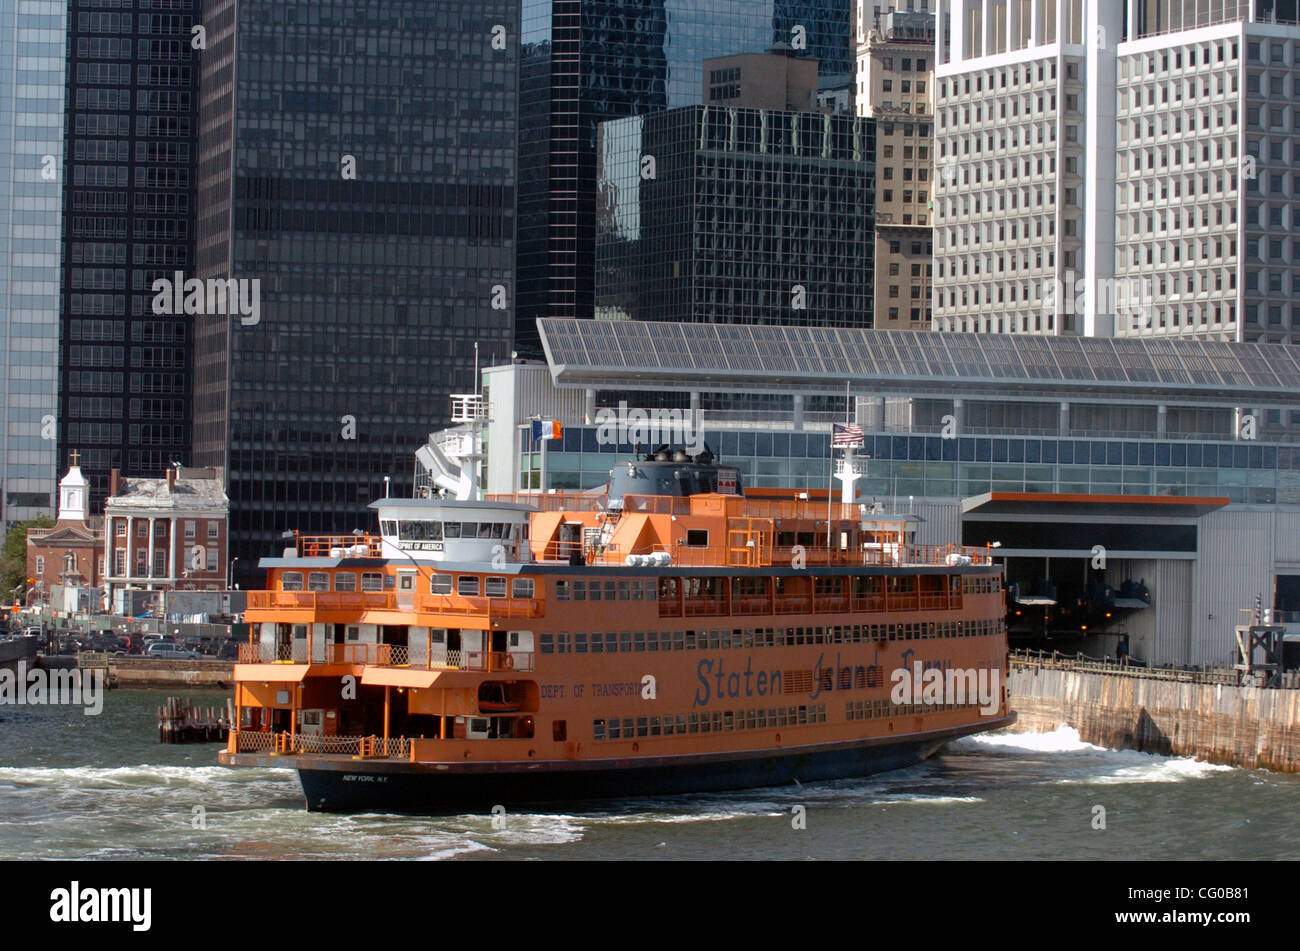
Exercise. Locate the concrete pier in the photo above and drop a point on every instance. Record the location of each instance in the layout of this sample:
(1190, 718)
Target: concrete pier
(1236, 726)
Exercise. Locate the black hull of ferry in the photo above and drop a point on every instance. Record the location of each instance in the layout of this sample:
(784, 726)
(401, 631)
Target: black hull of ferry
(424, 789)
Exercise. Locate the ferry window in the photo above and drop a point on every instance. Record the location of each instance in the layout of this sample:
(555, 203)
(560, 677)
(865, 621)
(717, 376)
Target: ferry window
(372, 581)
(651, 591)
(451, 530)
(494, 586)
(652, 641)
(597, 644)
(625, 641)
(561, 591)
(354, 632)
(597, 729)
(440, 584)
(623, 591)
(291, 581)
(637, 591)
(681, 724)
(609, 590)
(638, 642)
(668, 726)
(521, 588)
(690, 640)
(614, 731)
(485, 529)
(559, 730)
(629, 728)
(562, 643)
(642, 726)
(390, 582)
(579, 590)
(548, 643)
(300, 631)
(387, 527)
(407, 582)
(345, 581)
(594, 590)
(580, 642)
(677, 640)
(611, 643)
(467, 586)
(318, 581)
(693, 723)
(654, 726)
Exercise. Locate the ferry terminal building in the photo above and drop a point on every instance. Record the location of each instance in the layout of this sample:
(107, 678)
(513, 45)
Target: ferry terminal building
(1168, 464)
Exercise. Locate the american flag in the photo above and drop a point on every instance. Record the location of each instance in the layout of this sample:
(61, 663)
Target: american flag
(846, 436)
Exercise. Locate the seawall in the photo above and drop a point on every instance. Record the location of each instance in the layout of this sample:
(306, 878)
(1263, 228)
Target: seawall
(138, 672)
(1221, 723)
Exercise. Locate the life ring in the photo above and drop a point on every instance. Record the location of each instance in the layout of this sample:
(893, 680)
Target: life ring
(509, 662)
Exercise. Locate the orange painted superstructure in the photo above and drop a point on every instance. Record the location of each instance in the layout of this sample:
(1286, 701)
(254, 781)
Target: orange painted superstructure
(672, 643)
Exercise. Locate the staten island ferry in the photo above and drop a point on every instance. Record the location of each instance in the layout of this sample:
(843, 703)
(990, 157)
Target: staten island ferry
(664, 635)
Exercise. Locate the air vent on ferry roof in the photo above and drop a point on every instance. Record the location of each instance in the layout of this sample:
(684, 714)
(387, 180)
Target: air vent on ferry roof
(680, 456)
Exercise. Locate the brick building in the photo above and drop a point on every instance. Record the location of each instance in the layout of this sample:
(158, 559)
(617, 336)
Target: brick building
(166, 533)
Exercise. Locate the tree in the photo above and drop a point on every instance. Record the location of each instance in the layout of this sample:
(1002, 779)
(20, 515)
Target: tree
(13, 559)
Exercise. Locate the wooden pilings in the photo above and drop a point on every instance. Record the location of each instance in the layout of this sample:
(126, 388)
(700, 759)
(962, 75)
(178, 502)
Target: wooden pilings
(182, 722)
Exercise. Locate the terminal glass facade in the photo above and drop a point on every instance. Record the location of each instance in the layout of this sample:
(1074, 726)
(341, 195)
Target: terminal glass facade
(934, 467)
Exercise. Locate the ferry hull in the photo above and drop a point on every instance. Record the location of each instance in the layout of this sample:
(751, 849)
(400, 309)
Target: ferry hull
(432, 789)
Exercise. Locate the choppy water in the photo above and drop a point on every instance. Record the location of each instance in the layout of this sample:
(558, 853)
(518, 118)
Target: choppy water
(73, 786)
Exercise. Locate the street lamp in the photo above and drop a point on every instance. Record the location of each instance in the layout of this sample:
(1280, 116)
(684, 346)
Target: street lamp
(230, 575)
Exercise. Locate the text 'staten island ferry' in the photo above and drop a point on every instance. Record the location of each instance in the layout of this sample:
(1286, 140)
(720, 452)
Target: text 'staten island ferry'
(668, 635)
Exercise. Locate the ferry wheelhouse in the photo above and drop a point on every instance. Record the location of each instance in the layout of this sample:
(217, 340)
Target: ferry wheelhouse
(666, 635)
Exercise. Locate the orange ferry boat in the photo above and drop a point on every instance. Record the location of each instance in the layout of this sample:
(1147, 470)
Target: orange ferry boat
(668, 635)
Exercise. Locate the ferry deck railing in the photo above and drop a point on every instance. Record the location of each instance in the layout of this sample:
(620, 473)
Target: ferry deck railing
(305, 651)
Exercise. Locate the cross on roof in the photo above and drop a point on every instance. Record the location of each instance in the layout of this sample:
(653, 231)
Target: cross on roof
(76, 457)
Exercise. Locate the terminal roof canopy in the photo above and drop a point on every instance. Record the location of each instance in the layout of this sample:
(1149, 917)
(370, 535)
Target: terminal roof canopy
(780, 359)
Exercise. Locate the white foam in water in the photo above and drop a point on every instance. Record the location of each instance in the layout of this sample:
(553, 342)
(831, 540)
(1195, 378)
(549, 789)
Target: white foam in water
(1064, 739)
(1122, 766)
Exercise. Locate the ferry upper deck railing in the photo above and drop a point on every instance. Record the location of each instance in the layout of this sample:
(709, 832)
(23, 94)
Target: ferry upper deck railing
(419, 603)
(333, 546)
(422, 656)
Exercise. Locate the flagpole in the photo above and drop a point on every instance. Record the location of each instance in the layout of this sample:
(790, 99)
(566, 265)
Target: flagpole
(542, 487)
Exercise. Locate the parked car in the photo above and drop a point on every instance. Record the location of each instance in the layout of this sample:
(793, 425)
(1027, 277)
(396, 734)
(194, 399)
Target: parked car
(229, 650)
(166, 651)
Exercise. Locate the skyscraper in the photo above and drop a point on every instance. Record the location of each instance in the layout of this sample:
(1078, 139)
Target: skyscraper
(31, 169)
(754, 216)
(1143, 150)
(356, 161)
(895, 85)
(586, 62)
(132, 130)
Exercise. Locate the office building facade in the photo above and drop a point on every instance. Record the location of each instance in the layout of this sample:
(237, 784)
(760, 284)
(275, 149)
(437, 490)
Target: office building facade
(131, 145)
(1118, 170)
(741, 216)
(31, 167)
(895, 85)
(357, 182)
(584, 63)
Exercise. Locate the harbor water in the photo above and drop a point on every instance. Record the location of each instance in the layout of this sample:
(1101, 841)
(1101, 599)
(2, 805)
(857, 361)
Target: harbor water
(103, 787)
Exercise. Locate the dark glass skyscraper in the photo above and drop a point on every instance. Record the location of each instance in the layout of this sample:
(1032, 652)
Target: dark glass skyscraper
(357, 160)
(587, 62)
(131, 140)
(755, 216)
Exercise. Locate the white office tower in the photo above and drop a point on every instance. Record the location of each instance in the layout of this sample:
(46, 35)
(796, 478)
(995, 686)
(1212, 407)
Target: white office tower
(1109, 168)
